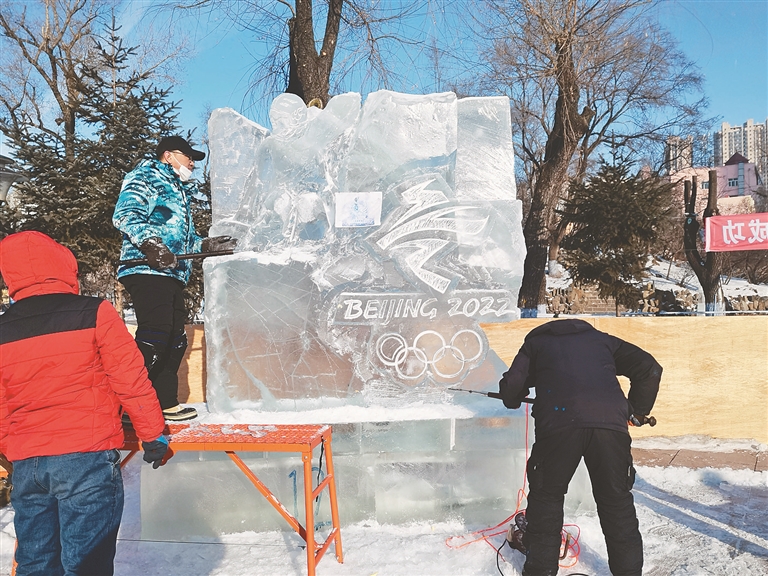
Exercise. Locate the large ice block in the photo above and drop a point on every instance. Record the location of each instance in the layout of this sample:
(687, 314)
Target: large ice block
(484, 152)
(233, 156)
(389, 471)
(374, 239)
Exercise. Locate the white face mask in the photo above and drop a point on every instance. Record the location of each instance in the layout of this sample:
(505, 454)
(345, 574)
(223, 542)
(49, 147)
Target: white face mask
(182, 171)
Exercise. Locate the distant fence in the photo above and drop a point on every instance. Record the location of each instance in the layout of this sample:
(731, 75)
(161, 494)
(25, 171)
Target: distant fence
(715, 379)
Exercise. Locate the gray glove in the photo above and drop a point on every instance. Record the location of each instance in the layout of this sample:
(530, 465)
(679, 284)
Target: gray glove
(219, 243)
(155, 451)
(158, 255)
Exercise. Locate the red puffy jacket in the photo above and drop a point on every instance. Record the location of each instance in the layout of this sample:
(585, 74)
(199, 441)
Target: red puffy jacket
(67, 362)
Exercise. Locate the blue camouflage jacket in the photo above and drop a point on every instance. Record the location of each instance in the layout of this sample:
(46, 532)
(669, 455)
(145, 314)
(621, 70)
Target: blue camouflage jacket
(155, 202)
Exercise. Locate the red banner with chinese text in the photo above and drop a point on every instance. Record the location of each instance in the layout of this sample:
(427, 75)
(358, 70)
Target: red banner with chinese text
(737, 232)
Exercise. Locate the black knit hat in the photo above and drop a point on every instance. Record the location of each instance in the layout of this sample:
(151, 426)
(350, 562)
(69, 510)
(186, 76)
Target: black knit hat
(171, 143)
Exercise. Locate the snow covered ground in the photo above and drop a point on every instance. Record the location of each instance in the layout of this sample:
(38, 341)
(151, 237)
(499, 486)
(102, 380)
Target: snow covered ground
(667, 275)
(694, 522)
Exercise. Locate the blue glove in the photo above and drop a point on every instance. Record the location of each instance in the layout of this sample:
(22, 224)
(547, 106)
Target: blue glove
(155, 451)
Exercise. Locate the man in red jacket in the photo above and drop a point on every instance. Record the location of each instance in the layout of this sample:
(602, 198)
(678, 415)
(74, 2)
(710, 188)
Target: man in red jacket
(68, 364)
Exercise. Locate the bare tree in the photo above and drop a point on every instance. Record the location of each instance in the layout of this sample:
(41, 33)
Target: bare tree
(749, 264)
(45, 45)
(581, 74)
(312, 46)
(760, 196)
(309, 71)
(79, 109)
(709, 267)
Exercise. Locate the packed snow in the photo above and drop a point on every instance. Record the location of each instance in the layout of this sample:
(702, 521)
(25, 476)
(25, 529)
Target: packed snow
(676, 276)
(694, 522)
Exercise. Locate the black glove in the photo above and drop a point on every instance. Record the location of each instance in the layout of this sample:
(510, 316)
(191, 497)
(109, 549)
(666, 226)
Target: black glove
(511, 403)
(219, 243)
(155, 451)
(641, 420)
(158, 255)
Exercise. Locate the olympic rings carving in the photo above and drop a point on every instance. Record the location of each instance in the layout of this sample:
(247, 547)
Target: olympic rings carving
(393, 351)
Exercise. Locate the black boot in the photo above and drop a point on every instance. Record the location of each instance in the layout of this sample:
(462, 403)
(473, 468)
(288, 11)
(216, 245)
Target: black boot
(516, 532)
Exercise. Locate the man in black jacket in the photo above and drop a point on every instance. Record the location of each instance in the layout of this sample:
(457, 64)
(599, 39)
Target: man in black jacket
(580, 411)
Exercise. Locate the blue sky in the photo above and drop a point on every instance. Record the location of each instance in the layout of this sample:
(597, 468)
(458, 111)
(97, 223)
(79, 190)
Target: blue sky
(727, 39)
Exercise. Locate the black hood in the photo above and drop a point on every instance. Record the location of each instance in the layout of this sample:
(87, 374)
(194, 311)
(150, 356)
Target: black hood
(560, 327)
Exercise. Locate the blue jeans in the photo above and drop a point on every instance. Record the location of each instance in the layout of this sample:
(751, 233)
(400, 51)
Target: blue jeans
(67, 513)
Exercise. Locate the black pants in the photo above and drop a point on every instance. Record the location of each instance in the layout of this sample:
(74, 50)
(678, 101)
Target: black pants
(551, 466)
(160, 313)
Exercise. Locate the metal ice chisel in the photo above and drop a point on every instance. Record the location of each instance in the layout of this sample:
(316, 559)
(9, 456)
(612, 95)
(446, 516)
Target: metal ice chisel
(192, 256)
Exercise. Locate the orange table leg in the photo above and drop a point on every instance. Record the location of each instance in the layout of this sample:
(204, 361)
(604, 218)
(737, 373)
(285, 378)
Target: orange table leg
(309, 512)
(329, 482)
(334, 502)
(128, 458)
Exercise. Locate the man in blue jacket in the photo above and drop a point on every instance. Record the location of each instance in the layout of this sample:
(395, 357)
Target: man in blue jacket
(154, 213)
(581, 412)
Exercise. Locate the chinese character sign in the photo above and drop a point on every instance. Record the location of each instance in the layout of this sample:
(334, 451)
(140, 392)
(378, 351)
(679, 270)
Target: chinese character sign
(737, 232)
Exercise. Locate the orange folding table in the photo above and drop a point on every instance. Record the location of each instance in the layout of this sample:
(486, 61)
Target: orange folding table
(233, 438)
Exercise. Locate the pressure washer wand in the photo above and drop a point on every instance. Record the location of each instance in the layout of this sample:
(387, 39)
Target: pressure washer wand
(633, 420)
(489, 394)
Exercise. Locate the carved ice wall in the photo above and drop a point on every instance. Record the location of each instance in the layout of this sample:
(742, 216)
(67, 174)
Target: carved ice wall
(373, 241)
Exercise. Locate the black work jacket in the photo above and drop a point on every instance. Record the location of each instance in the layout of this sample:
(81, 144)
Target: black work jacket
(573, 368)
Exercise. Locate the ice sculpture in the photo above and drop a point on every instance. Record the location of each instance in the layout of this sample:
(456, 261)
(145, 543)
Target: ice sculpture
(374, 239)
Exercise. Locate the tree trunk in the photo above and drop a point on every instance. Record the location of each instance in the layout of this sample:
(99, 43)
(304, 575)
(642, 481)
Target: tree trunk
(568, 127)
(69, 133)
(708, 268)
(294, 82)
(555, 239)
(309, 73)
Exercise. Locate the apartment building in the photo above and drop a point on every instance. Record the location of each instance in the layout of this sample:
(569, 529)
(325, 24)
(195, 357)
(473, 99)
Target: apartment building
(750, 140)
(737, 178)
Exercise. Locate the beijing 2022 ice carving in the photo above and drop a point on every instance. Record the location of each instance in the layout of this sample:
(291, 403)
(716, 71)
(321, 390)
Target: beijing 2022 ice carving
(374, 240)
